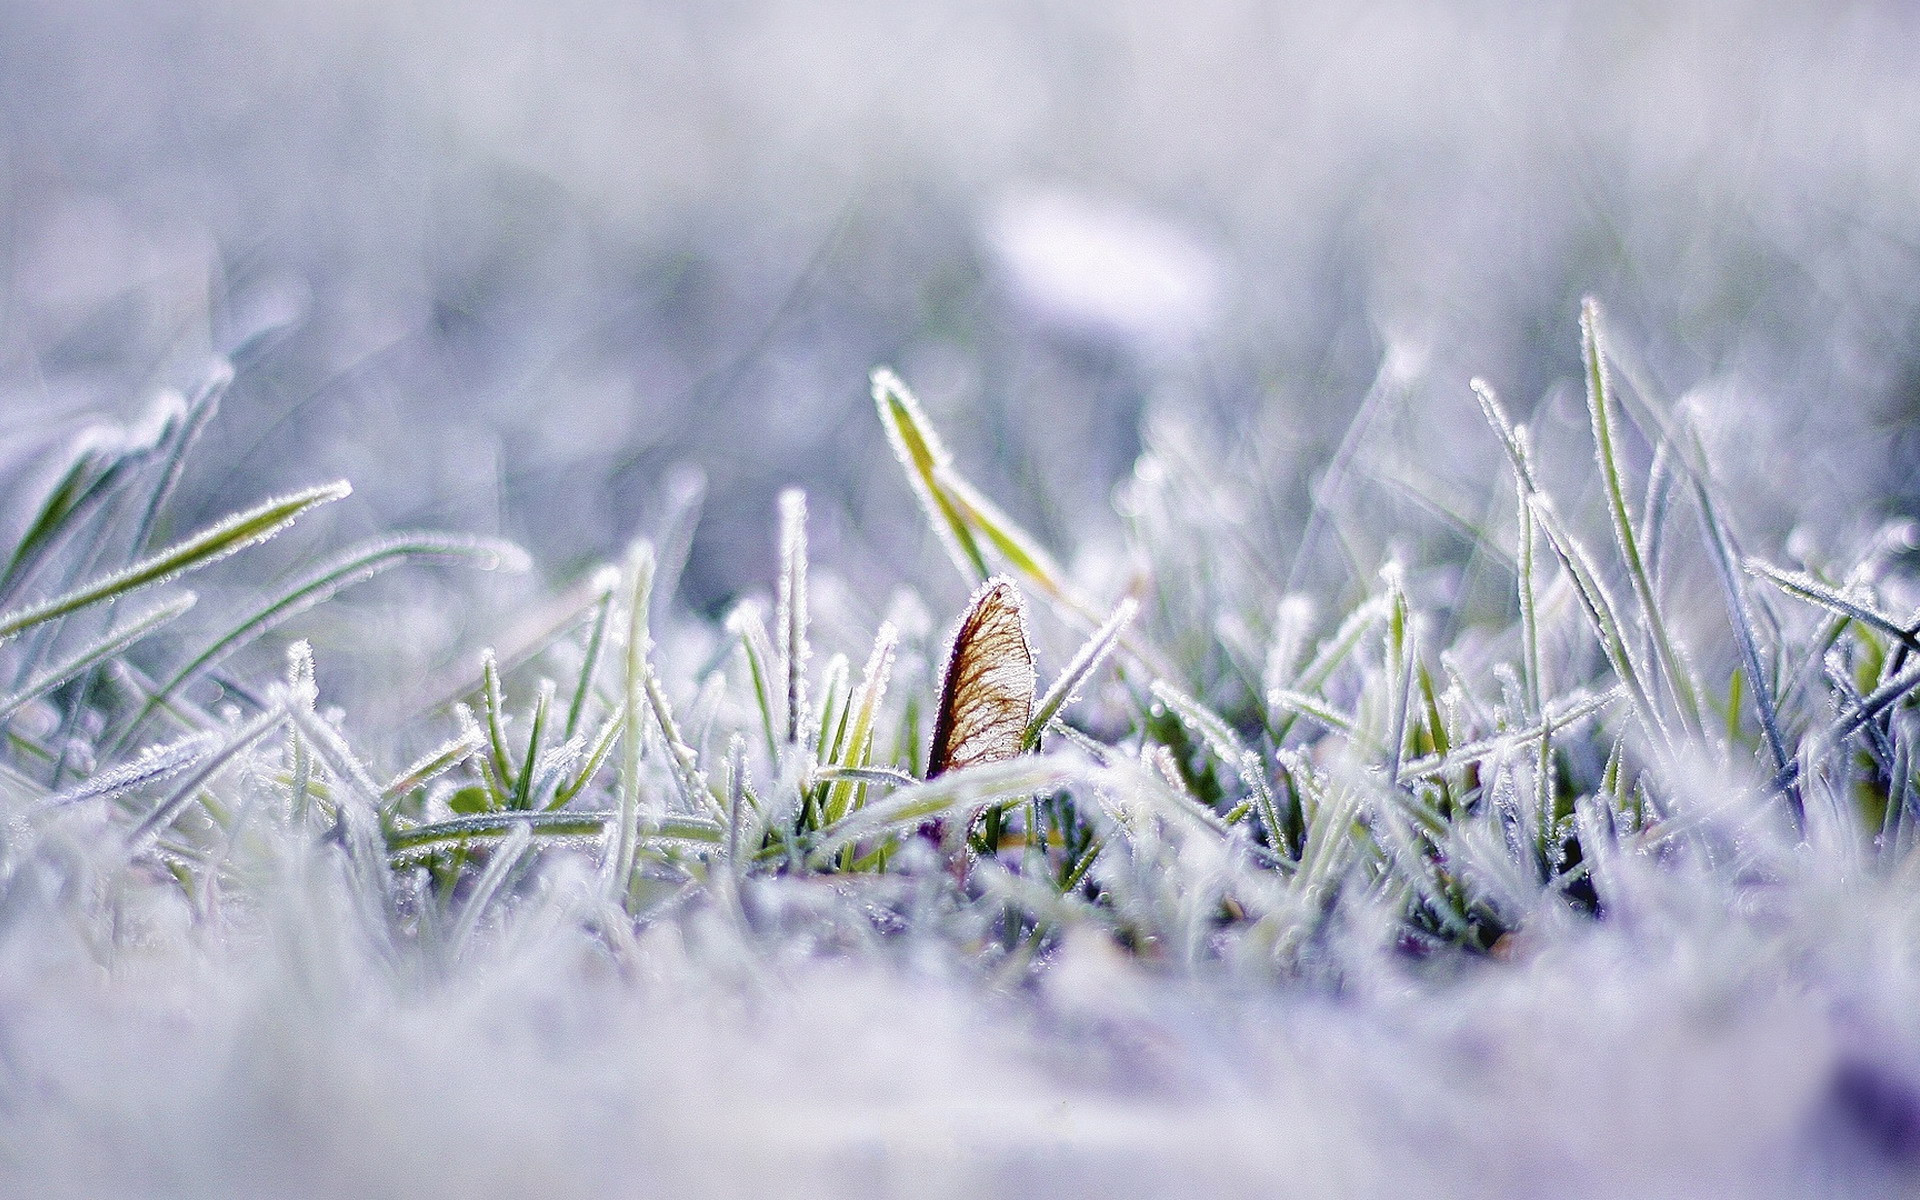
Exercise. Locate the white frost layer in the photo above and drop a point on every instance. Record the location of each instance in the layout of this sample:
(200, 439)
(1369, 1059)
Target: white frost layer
(273, 1051)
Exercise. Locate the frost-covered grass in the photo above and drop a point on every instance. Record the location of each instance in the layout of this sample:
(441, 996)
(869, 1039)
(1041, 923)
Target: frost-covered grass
(1573, 850)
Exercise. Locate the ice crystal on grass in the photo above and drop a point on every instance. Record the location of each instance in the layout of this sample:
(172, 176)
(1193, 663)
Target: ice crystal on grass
(1335, 868)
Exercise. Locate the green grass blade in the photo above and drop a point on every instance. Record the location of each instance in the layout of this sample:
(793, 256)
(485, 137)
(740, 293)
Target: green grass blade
(433, 764)
(844, 794)
(572, 823)
(206, 547)
(102, 462)
(596, 756)
(192, 422)
(206, 768)
(354, 567)
(962, 792)
(1085, 662)
(924, 457)
(155, 763)
(536, 729)
(1805, 587)
(1601, 406)
(1227, 747)
(605, 583)
(746, 623)
(627, 831)
(493, 708)
(110, 646)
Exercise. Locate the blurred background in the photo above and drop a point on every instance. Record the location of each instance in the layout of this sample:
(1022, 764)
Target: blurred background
(515, 268)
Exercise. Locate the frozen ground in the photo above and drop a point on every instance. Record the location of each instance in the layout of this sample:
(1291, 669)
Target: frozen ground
(572, 273)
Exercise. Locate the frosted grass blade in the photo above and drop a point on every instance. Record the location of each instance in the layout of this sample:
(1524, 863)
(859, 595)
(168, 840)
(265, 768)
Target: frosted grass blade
(209, 546)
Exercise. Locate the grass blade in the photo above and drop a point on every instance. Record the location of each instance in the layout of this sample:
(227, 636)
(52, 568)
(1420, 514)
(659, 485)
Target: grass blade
(204, 771)
(355, 566)
(963, 791)
(112, 645)
(791, 614)
(1085, 662)
(208, 546)
(1600, 406)
(924, 458)
(844, 794)
(606, 582)
(626, 836)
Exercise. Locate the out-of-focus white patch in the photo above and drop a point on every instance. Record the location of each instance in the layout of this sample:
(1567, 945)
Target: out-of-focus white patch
(1099, 268)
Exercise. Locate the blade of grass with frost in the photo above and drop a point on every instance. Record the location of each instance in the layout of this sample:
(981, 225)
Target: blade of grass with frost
(1536, 685)
(596, 755)
(1656, 510)
(688, 776)
(180, 425)
(1023, 554)
(964, 791)
(208, 546)
(745, 623)
(172, 419)
(1085, 662)
(627, 828)
(1292, 616)
(844, 794)
(1882, 698)
(1840, 682)
(738, 811)
(1434, 766)
(1600, 406)
(1807, 587)
(1328, 841)
(522, 797)
(567, 824)
(1334, 651)
(116, 642)
(1015, 544)
(356, 566)
(101, 464)
(958, 512)
(1158, 789)
(153, 764)
(606, 581)
(1692, 463)
(302, 687)
(433, 764)
(203, 773)
(356, 814)
(185, 434)
(1599, 607)
(1226, 746)
(1593, 597)
(1740, 615)
(831, 712)
(922, 454)
(505, 858)
(890, 776)
(1316, 710)
(338, 757)
(499, 757)
(790, 613)
(1399, 672)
